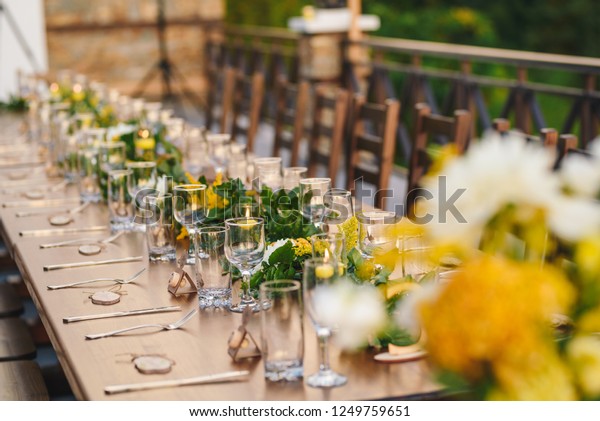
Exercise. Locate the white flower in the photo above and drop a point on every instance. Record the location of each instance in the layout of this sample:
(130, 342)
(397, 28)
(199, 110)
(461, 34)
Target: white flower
(356, 311)
(494, 173)
(573, 218)
(119, 130)
(582, 174)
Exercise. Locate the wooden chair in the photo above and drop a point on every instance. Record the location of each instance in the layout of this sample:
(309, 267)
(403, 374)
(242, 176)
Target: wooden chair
(456, 130)
(22, 381)
(548, 137)
(242, 96)
(215, 63)
(329, 122)
(289, 120)
(373, 132)
(10, 302)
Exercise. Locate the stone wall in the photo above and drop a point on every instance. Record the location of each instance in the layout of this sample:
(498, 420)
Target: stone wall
(115, 41)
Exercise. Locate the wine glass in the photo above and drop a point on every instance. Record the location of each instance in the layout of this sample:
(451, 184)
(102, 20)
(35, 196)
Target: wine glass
(245, 248)
(311, 198)
(218, 151)
(189, 205)
(338, 207)
(319, 275)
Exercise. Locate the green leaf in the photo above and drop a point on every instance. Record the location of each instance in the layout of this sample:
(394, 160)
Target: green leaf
(283, 254)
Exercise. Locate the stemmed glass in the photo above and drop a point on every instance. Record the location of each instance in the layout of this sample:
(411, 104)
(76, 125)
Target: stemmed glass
(189, 205)
(312, 191)
(319, 275)
(245, 248)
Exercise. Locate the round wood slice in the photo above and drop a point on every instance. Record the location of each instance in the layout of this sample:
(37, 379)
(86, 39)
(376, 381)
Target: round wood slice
(386, 357)
(90, 249)
(59, 220)
(105, 298)
(152, 364)
(34, 195)
(17, 175)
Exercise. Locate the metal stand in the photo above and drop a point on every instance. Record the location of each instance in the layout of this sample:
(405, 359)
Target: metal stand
(4, 10)
(169, 73)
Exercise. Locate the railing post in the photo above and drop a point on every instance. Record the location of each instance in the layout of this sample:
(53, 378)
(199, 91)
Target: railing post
(522, 111)
(589, 125)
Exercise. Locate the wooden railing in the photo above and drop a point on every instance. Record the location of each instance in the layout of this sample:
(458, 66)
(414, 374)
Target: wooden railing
(407, 69)
(446, 76)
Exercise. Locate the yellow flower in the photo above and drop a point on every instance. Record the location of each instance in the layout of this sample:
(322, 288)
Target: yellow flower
(190, 178)
(584, 354)
(492, 318)
(366, 271)
(587, 256)
(350, 229)
(302, 247)
(183, 234)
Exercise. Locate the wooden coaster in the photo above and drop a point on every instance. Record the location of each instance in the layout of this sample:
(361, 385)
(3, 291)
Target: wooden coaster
(59, 220)
(90, 249)
(152, 364)
(398, 354)
(105, 298)
(17, 175)
(34, 195)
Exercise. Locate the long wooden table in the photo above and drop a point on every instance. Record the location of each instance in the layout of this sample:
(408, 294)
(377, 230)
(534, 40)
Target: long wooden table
(199, 348)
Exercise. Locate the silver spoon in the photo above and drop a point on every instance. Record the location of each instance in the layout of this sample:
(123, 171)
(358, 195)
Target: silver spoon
(64, 219)
(170, 326)
(90, 281)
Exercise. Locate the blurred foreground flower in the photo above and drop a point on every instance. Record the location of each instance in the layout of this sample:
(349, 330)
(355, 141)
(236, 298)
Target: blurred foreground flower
(357, 312)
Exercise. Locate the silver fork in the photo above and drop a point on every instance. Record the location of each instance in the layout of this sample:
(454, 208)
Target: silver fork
(170, 326)
(90, 281)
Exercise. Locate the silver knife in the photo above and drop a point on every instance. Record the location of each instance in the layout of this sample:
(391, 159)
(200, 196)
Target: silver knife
(121, 314)
(212, 378)
(92, 263)
(40, 203)
(61, 231)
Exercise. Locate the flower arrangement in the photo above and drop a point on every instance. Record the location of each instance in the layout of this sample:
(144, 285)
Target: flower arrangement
(514, 320)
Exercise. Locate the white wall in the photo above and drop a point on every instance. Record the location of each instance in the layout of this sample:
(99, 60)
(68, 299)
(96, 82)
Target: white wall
(29, 18)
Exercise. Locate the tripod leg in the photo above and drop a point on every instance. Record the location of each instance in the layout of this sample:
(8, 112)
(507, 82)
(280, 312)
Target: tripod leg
(139, 90)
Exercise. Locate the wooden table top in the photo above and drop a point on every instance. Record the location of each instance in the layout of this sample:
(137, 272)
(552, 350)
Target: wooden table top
(199, 348)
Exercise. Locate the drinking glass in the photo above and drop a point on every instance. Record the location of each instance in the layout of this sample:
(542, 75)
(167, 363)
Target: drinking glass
(144, 178)
(374, 232)
(120, 203)
(312, 191)
(272, 164)
(111, 156)
(218, 151)
(213, 274)
(269, 177)
(282, 330)
(245, 248)
(189, 204)
(160, 227)
(87, 168)
(319, 275)
(338, 206)
(237, 167)
(292, 177)
(196, 151)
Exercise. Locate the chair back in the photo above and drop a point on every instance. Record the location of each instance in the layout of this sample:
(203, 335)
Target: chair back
(292, 103)
(372, 145)
(329, 122)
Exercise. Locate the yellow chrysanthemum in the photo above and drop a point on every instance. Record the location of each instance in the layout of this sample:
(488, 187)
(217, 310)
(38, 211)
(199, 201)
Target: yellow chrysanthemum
(302, 247)
(350, 229)
(492, 317)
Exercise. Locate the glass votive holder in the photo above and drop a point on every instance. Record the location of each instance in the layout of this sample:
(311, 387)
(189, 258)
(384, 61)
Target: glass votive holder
(269, 177)
(213, 274)
(338, 206)
(375, 232)
(120, 202)
(160, 227)
(292, 177)
(87, 175)
(247, 208)
(331, 247)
